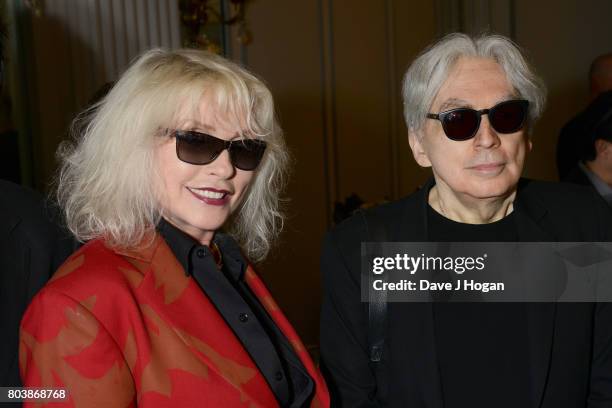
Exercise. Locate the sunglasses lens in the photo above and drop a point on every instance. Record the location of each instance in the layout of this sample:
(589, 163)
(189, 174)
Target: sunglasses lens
(197, 148)
(508, 117)
(460, 124)
(247, 154)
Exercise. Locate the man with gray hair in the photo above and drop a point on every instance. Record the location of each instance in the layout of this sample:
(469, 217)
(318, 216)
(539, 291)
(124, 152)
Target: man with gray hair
(470, 104)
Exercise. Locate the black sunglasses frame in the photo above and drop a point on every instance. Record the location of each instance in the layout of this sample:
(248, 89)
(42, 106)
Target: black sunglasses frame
(234, 147)
(442, 117)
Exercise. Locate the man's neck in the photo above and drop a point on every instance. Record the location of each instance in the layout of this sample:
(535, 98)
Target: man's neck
(600, 171)
(470, 210)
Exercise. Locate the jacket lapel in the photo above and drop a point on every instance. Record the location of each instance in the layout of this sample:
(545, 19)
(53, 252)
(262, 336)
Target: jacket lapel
(420, 343)
(321, 397)
(530, 220)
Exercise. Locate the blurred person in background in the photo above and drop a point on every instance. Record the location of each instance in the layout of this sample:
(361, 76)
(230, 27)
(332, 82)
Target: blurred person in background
(574, 131)
(595, 165)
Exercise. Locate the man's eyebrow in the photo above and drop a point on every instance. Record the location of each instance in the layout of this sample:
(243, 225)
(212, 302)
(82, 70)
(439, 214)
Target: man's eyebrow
(509, 97)
(454, 103)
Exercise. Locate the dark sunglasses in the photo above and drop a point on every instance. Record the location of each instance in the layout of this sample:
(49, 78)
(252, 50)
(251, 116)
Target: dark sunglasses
(199, 148)
(463, 123)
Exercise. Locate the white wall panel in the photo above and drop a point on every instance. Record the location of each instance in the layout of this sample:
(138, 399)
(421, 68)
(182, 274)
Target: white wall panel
(153, 22)
(107, 34)
(107, 37)
(118, 19)
(143, 28)
(76, 46)
(175, 27)
(131, 28)
(164, 27)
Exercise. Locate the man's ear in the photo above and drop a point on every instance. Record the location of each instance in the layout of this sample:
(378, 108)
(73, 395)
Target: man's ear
(602, 147)
(529, 144)
(416, 145)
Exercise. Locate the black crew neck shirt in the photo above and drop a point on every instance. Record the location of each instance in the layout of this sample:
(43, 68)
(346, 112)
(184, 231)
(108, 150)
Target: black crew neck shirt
(482, 348)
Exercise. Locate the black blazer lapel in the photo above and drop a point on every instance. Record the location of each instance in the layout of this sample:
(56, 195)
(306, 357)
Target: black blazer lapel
(530, 220)
(419, 338)
(412, 225)
(540, 328)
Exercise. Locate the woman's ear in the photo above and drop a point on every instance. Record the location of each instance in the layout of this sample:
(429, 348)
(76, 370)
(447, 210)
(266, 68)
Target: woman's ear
(415, 139)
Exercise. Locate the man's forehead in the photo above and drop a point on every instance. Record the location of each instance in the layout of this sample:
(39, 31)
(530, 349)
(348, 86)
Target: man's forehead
(470, 81)
(452, 103)
(474, 72)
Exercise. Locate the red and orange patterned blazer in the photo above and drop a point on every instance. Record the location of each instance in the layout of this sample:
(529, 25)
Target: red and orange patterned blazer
(128, 328)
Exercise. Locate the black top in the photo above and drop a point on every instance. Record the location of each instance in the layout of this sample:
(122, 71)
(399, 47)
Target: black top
(569, 344)
(475, 369)
(241, 310)
(442, 229)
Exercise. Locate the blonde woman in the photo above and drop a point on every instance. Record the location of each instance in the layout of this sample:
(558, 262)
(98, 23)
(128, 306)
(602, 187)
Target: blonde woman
(173, 177)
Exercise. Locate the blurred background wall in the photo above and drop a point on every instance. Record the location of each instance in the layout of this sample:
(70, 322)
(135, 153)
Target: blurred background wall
(335, 68)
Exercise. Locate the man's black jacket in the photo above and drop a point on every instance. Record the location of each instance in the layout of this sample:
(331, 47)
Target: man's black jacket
(570, 344)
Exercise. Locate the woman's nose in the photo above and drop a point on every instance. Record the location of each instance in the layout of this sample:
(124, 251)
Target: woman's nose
(222, 166)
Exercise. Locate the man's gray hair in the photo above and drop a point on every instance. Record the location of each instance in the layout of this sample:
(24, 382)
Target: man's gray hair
(432, 67)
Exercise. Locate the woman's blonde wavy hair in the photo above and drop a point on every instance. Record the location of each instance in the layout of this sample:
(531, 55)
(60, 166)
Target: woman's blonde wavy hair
(106, 184)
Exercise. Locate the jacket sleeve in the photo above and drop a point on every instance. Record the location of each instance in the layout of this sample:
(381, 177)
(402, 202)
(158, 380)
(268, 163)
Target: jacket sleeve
(600, 392)
(344, 355)
(63, 345)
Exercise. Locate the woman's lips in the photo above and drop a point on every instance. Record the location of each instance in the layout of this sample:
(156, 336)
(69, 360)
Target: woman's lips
(210, 196)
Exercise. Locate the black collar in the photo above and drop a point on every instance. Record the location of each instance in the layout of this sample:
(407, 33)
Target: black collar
(183, 245)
